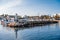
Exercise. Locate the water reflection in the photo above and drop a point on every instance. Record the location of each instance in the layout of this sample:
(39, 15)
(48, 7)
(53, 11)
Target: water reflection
(16, 30)
(46, 32)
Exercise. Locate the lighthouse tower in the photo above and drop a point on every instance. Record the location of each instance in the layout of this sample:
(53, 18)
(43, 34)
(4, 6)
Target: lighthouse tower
(16, 17)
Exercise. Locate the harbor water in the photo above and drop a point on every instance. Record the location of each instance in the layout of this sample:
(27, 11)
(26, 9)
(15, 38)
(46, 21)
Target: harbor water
(46, 32)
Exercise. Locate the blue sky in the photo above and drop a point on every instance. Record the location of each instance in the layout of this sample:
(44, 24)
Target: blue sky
(30, 7)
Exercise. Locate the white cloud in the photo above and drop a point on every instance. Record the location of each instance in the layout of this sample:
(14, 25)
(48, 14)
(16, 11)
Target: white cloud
(9, 4)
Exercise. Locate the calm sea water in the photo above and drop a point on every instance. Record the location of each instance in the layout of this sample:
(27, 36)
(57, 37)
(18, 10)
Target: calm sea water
(47, 32)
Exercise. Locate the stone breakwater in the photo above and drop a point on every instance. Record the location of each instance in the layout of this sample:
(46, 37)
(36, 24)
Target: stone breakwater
(31, 23)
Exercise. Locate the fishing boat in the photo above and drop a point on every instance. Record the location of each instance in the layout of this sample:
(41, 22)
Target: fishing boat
(4, 22)
(8, 22)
